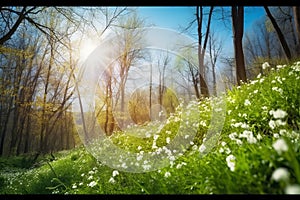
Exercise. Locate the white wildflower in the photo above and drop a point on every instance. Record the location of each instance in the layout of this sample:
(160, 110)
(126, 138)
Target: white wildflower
(221, 150)
(272, 124)
(146, 167)
(277, 89)
(264, 107)
(278, 79)
(253, 82)
(249, 136)
(282, 132)
(161, 113)
(154, 145)
(240, 124)
(278, 114)
(280, 146)
(92, 184)
(178, 166)
(168, 140)
(292, 189)
(261, 80)
(279, 122)
(195, 147)
(259, 75)
(203, 123)
(91, 172)
(227, 150)
(259, 137)
(244, 125)
(115, 173)
(231, 162)
(296, 68)
(124, 165)
(247, 102)
(155, 137)
(239, 142)
(280, 66)
(232, 135)
(176, 119)
(252, 140)
(111, 180)
(196, 125)
(202, 148)
(280, 174)
(245, 134)
(167, 174)
(265, 65)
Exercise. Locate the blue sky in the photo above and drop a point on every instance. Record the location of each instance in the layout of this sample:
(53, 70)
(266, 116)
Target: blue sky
(174, 17)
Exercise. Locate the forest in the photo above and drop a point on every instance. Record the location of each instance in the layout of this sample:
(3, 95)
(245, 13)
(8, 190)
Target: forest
(97, 100)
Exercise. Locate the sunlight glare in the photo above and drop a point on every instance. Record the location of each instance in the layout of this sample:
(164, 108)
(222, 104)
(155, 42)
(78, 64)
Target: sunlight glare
(87, 47)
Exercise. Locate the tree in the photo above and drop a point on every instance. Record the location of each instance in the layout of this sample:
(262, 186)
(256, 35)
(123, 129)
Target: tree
(296, 12)
(228, 72)
(214, 49)
(237, 13)
(36, 74)
(262, 44)
(129, 33)
(259, 46)
(109, 125)
(202, 49)
(165, 59)
(188, 69)
(12, 18)
(279, 34)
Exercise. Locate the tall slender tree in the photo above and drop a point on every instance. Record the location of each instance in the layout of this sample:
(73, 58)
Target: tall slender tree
(237, 14)
(279, 34)
(129, 33)
(296, 12)
(214, 49)
(202, 48)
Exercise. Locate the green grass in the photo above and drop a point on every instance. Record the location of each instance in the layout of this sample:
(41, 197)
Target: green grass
(242, 157)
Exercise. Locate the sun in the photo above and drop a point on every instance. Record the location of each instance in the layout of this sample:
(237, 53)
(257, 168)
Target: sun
(86, 48)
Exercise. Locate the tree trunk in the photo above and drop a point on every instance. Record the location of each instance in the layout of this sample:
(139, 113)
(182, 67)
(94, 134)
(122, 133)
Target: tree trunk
(201, 50)
(195, 81)
(150, 93)
(238, 32)
(27, 136)
(296, 11)
(279, 34)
